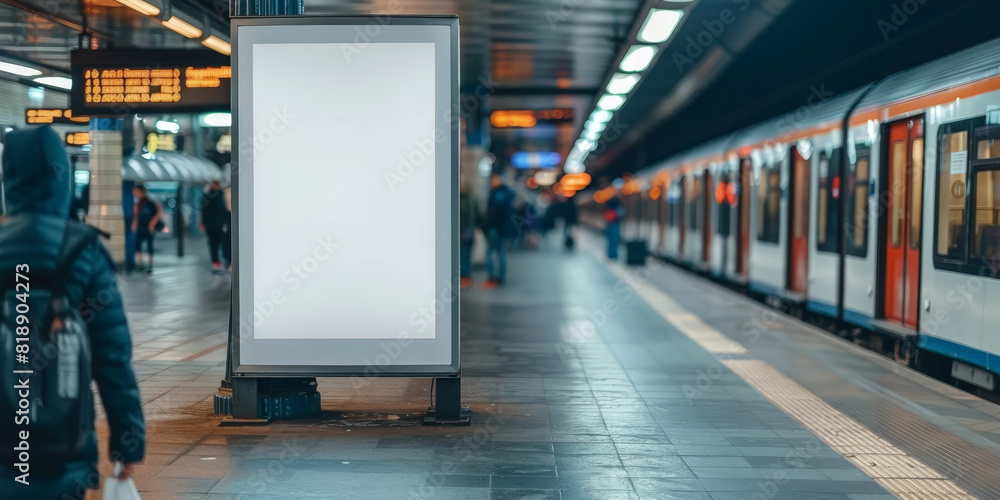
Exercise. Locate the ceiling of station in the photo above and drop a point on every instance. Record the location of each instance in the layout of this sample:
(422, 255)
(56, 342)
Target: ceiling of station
(543, 54)
(523, 54)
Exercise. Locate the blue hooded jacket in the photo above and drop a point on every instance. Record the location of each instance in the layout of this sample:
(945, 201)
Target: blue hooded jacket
(37, 193)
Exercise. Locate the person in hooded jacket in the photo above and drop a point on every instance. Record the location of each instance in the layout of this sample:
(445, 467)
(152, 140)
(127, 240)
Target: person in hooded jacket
(37, 189)
(215, 220)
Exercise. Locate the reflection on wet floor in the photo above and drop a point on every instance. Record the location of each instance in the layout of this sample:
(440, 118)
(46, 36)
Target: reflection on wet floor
(579, 390)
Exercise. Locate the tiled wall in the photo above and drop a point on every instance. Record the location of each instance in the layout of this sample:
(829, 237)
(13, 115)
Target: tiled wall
(106, 189)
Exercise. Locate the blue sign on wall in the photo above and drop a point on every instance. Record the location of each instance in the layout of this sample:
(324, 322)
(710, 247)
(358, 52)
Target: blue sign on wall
(535, 159)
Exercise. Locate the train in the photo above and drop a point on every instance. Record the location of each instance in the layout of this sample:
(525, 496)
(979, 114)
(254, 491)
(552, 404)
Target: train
(874, 213)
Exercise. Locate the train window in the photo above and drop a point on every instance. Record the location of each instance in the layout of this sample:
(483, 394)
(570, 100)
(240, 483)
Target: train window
(857, 203)
(988, 148)
(769, 204)
(828, 204)
(951, 196)
(896, 210)
(986, 239)
(916, 191)
(692, 208)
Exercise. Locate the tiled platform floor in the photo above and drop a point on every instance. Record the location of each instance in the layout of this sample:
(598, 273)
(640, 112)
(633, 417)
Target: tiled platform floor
(579, 391)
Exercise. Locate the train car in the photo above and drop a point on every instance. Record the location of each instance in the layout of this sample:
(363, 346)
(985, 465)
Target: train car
(877, 210)
(937, 256)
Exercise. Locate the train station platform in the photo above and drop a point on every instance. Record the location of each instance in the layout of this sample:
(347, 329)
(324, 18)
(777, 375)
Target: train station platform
(587, 379)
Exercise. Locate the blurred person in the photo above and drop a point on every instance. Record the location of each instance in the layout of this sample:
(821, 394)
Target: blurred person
(498, 224)
(469, 219)
(145, 223)
(215, 221)
(613, 213)
(74, 298)
(571, 218)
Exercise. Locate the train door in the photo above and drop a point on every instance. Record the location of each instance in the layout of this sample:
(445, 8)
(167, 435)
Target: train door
(682, 216)
(706, 226)
(798, 224)
(905, 167)
(743, 233)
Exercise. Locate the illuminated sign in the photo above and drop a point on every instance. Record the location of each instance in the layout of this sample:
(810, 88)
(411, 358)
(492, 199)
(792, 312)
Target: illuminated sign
(527, 118)
(77, 138)
(115, 82)
(39, 116)
(535, 159)
(160, 142)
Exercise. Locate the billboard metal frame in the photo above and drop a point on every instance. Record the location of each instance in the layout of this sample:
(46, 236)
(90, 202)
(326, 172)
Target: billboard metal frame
(278, 371)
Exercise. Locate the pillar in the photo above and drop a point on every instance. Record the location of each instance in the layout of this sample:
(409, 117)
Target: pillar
(106, 211)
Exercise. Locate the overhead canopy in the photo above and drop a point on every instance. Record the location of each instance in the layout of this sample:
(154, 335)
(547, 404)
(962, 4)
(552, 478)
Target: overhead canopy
(170, 167)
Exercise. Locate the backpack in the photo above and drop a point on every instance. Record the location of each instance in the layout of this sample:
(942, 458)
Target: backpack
(45, 369)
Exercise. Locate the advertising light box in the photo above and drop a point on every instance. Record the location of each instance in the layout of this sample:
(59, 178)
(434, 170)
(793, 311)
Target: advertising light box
(345, 196)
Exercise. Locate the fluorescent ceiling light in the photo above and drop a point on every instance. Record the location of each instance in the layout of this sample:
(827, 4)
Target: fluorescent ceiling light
(586, 145)
(591, 134)
(217, 120)
(601, 116)
(165, 126)
(574, 167)
(659, 25)
(55, 81)
(217, 44)
(622, 83)
(142, 7)
(595, 126)
(18, 70)
(637, 58)
(610, 102)
(183, 27)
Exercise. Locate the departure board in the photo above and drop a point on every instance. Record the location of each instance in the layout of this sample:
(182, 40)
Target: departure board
(119, 82)
(38, 116)
(77, 138)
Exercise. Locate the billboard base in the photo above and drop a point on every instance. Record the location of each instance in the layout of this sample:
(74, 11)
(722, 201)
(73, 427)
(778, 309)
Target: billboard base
(448, 409)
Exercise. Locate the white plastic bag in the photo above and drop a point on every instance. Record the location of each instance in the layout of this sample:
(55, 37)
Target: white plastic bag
(115, 489)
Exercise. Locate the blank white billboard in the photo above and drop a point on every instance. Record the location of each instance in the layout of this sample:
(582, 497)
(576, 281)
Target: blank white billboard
(345, 184)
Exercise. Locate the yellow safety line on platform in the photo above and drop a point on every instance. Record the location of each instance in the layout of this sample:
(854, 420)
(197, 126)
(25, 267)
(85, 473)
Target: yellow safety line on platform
(900, 474)
(690, 325)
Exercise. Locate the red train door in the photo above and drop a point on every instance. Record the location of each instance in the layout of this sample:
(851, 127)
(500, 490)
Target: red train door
(682, 216)
(743, 231)
(798, 224)
(706, 226)
(905, 198)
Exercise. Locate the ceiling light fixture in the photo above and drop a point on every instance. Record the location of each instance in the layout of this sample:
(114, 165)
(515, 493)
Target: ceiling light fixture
(659, 25)
(637, 58)
(182, 27)
(165, 126)
(142, 7)
(610, 102)
(595, 126)
(622, 83)
(18, 70)
(601, 116)
(55, 81)
(217, 44)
